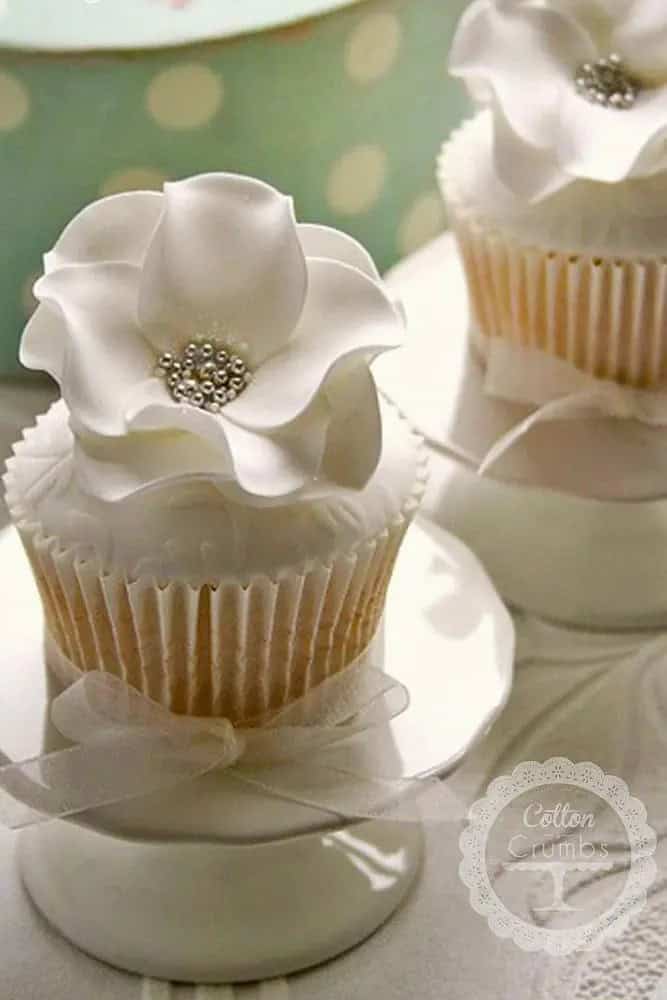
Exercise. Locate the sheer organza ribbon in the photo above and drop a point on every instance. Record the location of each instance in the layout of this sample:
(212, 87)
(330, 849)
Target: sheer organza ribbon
(126, 746)
(560, 391)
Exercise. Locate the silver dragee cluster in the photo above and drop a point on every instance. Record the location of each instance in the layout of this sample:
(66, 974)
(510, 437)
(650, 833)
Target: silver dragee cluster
(205, 374)
(608, 83)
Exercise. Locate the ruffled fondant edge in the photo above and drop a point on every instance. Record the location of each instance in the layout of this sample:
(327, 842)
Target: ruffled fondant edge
(27, 522)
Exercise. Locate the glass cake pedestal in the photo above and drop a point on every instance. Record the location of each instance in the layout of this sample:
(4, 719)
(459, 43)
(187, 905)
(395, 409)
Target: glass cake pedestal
(215, 882)
(571, 523)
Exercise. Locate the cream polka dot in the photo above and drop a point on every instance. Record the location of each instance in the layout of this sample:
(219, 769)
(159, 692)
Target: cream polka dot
(372, 47)
(422, 222)
(14, 102)
(184, 96)
(28, 301)
(133, 179)
(356, 180)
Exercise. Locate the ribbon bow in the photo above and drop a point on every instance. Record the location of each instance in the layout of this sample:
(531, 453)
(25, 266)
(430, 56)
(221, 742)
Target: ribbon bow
(560, 391)
(127, 746)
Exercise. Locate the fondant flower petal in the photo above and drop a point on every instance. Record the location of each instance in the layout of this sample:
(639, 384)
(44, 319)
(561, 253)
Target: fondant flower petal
(283, 462)
(595, 16)
(525, 169)
(225, 261)
(353, 398)
(641, 36)
(345, 314)
(113, 469)
(106, 354)
(264, 465)
(118, 228)
(44, 341)
(322, 241)
(591, 144)
(526, 56)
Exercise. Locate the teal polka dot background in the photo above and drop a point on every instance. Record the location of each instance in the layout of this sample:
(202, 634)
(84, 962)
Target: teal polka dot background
(345, 111)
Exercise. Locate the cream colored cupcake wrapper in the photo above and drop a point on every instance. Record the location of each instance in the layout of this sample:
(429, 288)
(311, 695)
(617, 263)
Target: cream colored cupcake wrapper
(605, 315)
(214, 648)
(219, 649)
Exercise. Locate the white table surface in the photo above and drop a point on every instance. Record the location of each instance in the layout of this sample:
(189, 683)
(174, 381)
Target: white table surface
(582, 697)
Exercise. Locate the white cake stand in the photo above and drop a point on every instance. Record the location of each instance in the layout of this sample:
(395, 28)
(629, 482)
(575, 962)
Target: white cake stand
(572, 522)
(213, 882)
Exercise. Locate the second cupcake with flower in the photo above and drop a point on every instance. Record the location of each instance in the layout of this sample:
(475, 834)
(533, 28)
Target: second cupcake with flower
(213, 509)
(557, 189)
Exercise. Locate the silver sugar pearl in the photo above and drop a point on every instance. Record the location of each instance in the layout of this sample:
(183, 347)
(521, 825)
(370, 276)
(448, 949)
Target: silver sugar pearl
(174, 380)
(197, 398)
(236, 382)
(207, 370)
(221, 376)
(207, 387)
(220, 396)
(222, 357)
(231, 394)
(166, 360)
(176, 366)
(179, 392)
(212, 406)
(237, 365)
(206, 350)
(190, 385)
(191, 350)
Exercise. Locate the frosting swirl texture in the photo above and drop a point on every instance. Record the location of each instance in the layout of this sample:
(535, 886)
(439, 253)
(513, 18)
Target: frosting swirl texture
(219, 259)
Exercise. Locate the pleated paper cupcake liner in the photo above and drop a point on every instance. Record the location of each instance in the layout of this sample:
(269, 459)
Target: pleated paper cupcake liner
(605, 315)
(219, 648)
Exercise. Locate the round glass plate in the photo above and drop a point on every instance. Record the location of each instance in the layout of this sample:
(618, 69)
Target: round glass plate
(79, 25)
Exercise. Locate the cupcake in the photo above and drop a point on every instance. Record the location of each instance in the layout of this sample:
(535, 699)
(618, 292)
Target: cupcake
(213, 508)
(557, 189)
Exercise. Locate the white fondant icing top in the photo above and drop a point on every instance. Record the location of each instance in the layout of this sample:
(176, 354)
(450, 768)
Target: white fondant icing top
(80, 25)
(624, 219)
(189, 529)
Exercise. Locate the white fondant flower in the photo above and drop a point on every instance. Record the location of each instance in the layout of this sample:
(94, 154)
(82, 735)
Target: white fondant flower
(217, 257)
(522, 58)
